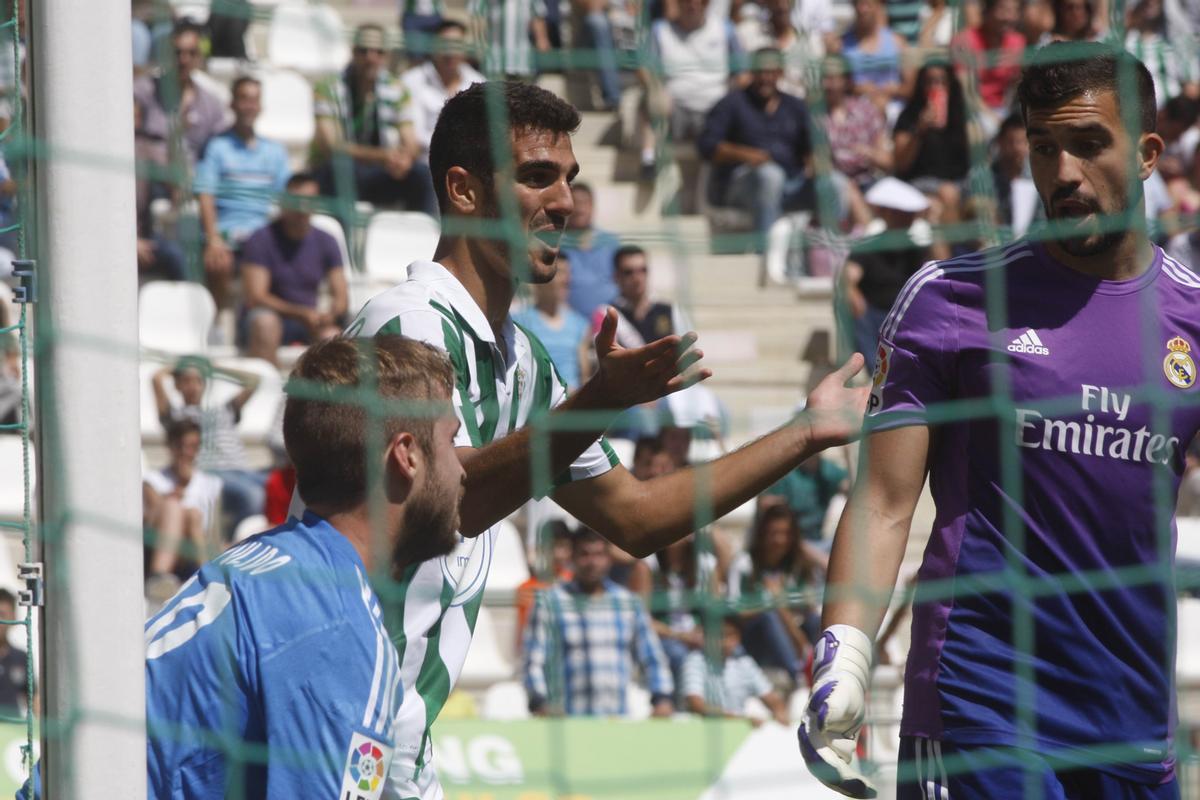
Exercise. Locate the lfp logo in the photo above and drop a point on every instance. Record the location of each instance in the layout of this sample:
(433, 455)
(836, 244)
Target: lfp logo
(366, 765)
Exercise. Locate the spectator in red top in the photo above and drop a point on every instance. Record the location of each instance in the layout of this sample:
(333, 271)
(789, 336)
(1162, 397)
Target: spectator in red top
(974, 52)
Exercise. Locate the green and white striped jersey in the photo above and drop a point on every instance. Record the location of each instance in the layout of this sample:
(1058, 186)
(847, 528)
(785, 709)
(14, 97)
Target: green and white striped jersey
(434, 618)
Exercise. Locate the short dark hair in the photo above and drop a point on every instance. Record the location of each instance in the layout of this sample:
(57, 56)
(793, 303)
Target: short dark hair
(179, 428)
(585, 535)
(186, 25)
(1011, 122)
(298, 178)
(1182, 109)
(449, 24)
(326, 435)
(625, 251)
(242, 81)
(8, 597)
(581, 186)
(198, 363)
(463, 135)
(1063, 70)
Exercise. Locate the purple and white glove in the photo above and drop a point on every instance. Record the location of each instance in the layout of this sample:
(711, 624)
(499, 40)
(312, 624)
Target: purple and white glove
(835, 711)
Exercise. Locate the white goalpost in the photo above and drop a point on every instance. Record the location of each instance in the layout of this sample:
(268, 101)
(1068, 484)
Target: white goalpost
(80, 106)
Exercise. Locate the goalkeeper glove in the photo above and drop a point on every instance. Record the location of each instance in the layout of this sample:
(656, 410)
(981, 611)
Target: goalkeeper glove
(835, 711)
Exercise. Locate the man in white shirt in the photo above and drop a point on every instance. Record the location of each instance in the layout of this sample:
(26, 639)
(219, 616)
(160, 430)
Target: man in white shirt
(431, 83)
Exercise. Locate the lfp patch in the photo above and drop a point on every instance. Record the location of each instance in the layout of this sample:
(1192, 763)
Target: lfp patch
(1178, 366)
(883, 362)
(366, 768)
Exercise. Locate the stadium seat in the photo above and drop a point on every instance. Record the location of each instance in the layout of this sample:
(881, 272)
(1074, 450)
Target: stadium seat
(250, 526)
(509, 568)
(1187, 658)
(505, 701)
(395, 239)
(287, 108)
(175, 317)
(309, 37)
(333, 227)
(486, 660)
(197, 11)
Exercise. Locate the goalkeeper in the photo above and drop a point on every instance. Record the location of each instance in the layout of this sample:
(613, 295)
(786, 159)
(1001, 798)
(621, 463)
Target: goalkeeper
(1096, 352)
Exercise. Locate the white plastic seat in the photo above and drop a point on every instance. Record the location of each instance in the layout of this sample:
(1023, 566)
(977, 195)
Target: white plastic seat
(330, 225)
(509, 568)
(487, 662)
(12, 477)
(175, 317)
(197, 11)
(287, 108)
(309, 37)
(395, 239)
(250, 526)
(505, 701)
(1187, 654)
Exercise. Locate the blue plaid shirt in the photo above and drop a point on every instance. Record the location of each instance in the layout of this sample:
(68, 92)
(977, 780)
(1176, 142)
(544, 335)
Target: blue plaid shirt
(580, 649)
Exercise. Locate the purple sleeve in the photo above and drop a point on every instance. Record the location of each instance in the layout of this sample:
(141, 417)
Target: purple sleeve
(331, 254)
(914, 355)
(254, 249)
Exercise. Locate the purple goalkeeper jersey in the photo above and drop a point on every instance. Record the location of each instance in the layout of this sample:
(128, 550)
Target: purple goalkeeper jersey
(1083, 394)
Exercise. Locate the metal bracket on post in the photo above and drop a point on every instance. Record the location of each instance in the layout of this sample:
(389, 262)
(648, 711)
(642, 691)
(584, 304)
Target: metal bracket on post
(24, 269)
(33, 594)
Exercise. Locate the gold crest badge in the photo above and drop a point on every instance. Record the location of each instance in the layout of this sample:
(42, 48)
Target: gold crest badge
(1178, 366)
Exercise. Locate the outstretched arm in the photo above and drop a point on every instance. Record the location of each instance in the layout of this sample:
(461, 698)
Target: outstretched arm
(500, 475)
(642, 517)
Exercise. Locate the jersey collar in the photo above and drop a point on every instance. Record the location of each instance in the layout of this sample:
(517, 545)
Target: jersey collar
(431, 272)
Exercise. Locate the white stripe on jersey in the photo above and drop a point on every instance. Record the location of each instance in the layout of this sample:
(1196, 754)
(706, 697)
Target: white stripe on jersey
(937, 755)
(988, 259)
(1036, 339)
(1180, 273)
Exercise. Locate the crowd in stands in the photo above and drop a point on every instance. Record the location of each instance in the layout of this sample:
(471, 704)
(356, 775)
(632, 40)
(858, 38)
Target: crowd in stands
(883, 132)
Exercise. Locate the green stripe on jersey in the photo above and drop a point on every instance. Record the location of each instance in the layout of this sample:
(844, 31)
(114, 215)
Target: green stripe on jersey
(433, 681)
(543, 375)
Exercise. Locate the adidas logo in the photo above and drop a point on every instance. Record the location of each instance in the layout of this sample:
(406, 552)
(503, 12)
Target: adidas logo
(1028, 342)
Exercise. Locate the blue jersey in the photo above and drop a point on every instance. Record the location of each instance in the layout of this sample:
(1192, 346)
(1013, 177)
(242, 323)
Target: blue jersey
(1103, 385)
(278, 644)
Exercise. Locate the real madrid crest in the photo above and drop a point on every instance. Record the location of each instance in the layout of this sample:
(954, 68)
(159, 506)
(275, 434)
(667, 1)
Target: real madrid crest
(1179, 367)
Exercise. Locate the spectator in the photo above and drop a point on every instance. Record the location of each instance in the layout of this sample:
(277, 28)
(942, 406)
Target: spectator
(227, 26)
(364, 116)
(221, 450)
(431, 83)
(554, 539)
(765, 582)
(697, 53)
(776, 29)
(1149, 39)
(641, 320)
(1075, 21)
(158, 257)
(278, 488)
(876, 55)
(815, 21)
(1016, 197)
(512, 30)
(598, 33)
(11, 391)
(602, 629)
(758, 141)
(421, 21)
(14, 665)
(236, 181)
(564, 332)
(857, 129)
(930, 145)
(992, 51)
(1177, 127)
(722, 688)
(878, 268)
(590, 251)
(175, 111)
(283, 266)
(807, 492)
(1189, 489)
(937, 22)
(179, 506)
(679, 578)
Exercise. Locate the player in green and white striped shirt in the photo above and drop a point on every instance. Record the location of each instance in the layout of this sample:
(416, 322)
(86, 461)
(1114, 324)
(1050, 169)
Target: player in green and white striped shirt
(505, 380)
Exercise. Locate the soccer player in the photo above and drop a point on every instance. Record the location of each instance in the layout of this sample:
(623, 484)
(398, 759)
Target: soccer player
(270, 674)
(1042, 650)
(459, 302)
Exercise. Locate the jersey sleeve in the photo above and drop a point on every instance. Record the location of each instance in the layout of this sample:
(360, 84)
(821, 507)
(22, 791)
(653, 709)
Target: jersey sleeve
(325, 715)
(914, 354)
(597, 459)
(208, 170)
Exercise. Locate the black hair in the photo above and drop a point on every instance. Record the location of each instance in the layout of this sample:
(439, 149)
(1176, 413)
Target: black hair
(1061, 71)
(463, 136)
(1010, 122)
(177, 429)
(1182, 109)
(242, 81)
(586, 188)
(187, 25)
(583, 536)
(449, 24)
(198, 363)
(625, 251)
(8, 597)
(299, 178)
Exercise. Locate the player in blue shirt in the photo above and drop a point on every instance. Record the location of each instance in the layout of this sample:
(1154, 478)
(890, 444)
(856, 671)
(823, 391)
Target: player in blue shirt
(1042, 655)
(270, 674)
